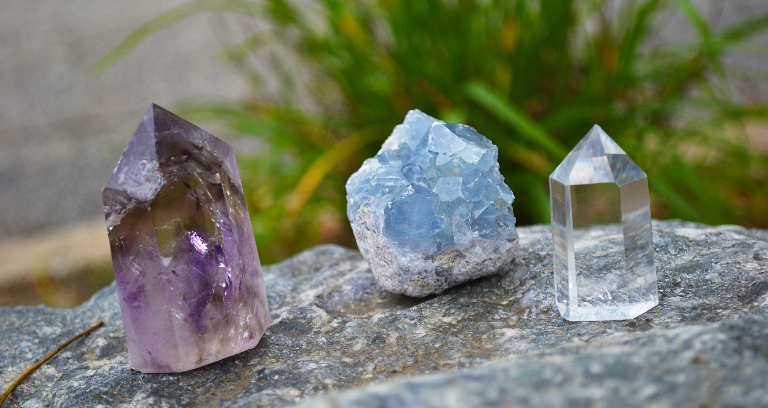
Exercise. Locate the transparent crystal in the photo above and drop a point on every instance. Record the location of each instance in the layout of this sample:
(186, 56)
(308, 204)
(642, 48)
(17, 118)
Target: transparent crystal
(604, 273)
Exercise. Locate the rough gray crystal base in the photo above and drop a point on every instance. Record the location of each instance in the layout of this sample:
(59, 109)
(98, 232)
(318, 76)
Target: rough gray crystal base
(611, 278)
(416, 274)
(431, 210)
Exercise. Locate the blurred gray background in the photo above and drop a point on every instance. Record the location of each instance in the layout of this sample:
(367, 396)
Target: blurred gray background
(61, 127)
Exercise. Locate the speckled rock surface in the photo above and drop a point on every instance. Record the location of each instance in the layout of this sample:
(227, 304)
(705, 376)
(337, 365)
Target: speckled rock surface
(339, 340)
(723, 364)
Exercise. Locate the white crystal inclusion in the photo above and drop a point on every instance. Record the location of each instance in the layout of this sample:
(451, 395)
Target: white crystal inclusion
(604, 273)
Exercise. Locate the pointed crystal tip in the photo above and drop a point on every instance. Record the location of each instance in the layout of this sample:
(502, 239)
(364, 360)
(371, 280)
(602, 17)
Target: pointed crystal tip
(597, 159)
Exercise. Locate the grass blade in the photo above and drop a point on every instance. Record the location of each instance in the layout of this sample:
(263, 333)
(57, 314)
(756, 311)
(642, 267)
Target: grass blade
(515, 117)
(164, 20)
(322, 166)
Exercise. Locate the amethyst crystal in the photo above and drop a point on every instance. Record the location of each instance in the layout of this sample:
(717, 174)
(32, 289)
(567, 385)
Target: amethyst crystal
(186, 266)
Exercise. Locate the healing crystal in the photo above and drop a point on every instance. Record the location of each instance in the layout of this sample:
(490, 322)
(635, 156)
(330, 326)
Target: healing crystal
(602, 276)
(187, 269)
(431, 210)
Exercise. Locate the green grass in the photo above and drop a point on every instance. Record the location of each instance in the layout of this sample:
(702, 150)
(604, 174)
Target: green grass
(533, 76)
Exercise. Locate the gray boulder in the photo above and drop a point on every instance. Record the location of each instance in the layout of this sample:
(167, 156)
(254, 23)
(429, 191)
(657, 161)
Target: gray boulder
(339, 340)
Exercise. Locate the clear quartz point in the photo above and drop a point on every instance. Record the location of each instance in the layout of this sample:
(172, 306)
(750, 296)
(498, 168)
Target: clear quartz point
(601, 226)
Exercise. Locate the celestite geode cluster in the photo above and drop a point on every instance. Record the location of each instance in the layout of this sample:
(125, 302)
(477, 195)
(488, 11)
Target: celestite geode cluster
(431, 209)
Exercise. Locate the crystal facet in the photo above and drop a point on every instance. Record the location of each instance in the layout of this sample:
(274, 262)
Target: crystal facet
(602, 276)
(186, 265)
(431, 209)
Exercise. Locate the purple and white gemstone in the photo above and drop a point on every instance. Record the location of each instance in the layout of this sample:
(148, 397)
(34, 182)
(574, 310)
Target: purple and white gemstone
(186, 265)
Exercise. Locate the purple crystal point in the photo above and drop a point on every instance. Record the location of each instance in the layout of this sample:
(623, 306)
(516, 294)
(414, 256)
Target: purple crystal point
(186, 266)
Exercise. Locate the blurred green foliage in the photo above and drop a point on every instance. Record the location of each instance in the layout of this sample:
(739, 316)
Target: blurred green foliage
(533, 76)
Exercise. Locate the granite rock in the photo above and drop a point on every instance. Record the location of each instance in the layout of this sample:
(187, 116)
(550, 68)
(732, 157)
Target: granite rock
(339, 339)
(723, 364)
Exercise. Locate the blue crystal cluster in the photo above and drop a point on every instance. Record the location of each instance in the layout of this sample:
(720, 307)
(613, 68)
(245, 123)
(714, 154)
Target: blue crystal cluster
(436, 185)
